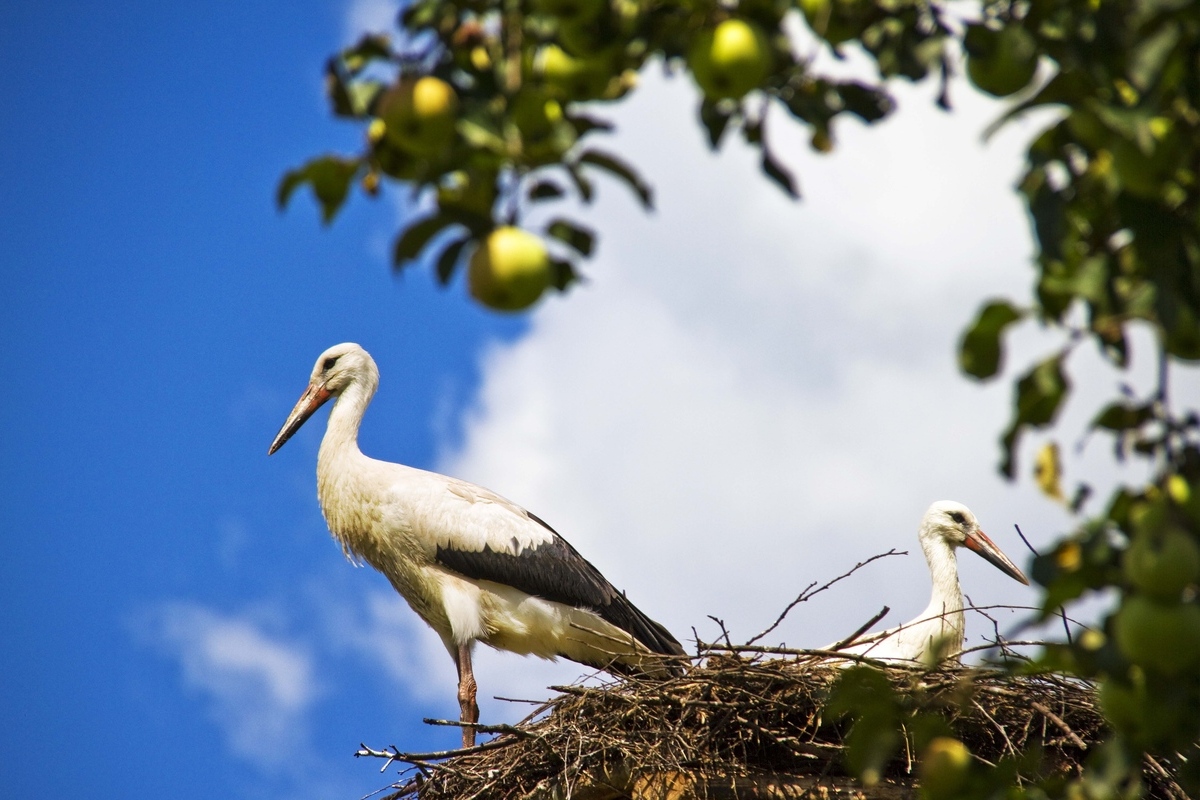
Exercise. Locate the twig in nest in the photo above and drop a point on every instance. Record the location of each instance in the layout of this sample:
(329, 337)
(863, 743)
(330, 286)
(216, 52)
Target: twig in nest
(1003, 646)
(883, 612)
(794, 651)
(806, 594)
(1062, 726)
(1173, 786)
(424, 759)
(724, 632)
(479, 728)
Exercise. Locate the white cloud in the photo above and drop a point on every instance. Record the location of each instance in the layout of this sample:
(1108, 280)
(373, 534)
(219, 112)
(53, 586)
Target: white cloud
(259, 687)
(752, 394)
(381, 630)
(369, 16)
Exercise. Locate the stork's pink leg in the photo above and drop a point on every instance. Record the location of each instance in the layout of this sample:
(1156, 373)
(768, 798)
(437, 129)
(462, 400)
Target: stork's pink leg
(468, 708)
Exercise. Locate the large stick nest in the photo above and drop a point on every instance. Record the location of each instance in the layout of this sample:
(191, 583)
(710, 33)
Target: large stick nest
(747, 726)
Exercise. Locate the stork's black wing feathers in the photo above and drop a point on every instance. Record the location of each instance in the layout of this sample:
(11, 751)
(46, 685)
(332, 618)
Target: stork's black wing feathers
(555, 571)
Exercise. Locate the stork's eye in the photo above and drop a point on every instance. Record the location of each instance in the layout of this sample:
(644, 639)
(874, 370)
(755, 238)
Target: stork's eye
(328, 363)
(958, 517)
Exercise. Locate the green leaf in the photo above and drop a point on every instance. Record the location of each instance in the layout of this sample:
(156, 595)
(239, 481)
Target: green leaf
(1086, 561)
(329, 177)
(1008, 450)
(619, 169)
(479, 130)
(980, 351)
(584, 123)
(448, 261)
(545, 190)
(1120, 416)
(1065, 88)
(414, 238)
(564, 274)
(779, 174)
(1041, 392)
(579, 238)
(1150, 55)
(715, 121)
(866, 694)
(291, 180)
(1048, 209)
(582, 184)
(868, 103)
(421, 14)
(752, 131)
(371, 47)
(1039, 395)
(859, 689)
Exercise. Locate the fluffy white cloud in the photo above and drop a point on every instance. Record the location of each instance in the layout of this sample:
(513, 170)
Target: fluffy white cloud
(259, 687)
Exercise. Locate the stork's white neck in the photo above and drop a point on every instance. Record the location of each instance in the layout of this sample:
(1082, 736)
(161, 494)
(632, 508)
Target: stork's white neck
(341, 434)
(946, 599)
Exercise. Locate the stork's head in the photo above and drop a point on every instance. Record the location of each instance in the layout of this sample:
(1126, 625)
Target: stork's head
(954, 524)
(336, 369)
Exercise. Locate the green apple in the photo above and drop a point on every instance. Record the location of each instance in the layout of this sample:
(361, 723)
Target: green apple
(419, 114)
(1000, 62)
(571, 78)
(534, 112)
(731, 59)
(509, 269)
(1162, 637)
(836, 21)
(544, 132)
(944, 767)
(1161, 567)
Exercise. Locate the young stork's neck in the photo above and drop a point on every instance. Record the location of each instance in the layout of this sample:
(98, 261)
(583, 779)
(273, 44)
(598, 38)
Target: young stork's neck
(946, 599)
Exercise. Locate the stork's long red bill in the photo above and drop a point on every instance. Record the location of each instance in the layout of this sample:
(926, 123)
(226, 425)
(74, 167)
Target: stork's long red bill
(313, 398)
(978, 542)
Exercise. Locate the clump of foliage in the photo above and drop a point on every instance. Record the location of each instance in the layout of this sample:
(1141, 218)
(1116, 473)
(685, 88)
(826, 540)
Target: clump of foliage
(486, 108)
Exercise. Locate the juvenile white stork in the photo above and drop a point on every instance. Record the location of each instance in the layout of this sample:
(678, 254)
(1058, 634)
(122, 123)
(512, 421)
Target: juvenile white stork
(937, 632)
(473, 565)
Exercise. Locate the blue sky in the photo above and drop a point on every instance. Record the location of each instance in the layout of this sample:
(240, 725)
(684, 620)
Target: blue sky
(162, 315)
(749, 395)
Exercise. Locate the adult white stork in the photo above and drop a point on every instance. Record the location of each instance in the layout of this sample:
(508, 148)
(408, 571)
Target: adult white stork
(937, 632)
(473, 565)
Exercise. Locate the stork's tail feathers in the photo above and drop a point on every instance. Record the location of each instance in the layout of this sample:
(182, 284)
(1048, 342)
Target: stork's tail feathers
(665, 651)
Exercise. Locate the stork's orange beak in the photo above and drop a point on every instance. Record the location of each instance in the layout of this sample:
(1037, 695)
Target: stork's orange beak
(313, 398)
(978, 542)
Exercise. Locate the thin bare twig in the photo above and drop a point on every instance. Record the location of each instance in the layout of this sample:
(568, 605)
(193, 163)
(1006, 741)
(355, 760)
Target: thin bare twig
(883, 612)
(807, 595)
(454, 723)
(425, 759)
(1062, 726)
(1173, 786)
(724, 631)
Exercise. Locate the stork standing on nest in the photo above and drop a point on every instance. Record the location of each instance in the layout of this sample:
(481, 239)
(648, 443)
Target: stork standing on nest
(937, 632)
(473, 565)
